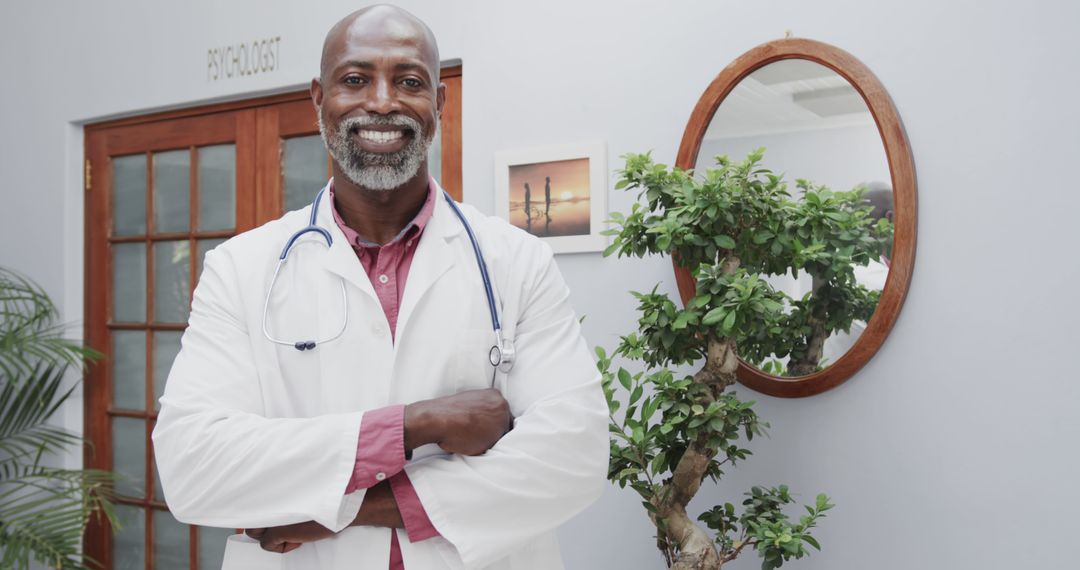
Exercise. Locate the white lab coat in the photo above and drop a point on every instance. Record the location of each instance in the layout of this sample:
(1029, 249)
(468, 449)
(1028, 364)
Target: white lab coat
(253, 434)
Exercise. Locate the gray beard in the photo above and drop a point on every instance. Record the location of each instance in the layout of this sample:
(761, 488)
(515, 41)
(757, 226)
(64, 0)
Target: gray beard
(376, 171)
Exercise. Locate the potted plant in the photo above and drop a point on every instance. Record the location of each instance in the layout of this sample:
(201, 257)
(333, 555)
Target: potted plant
(43, 509)
(733, 226)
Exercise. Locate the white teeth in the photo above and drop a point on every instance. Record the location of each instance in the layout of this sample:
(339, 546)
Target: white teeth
(380, 136)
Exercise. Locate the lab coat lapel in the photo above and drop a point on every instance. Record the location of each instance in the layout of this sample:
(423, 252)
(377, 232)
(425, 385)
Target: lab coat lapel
(341, 359)
(435, 255)
(341, 258)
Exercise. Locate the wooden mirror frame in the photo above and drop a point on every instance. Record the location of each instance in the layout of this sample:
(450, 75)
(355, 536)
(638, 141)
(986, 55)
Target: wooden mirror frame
(901, 167)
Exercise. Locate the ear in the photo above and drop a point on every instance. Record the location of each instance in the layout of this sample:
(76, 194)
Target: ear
(316, 93)
(440, 98)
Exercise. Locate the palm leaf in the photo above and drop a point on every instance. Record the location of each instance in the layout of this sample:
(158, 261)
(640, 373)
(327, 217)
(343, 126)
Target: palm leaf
(43, 510)
(25, 407)
(28, 333)
(44, 515)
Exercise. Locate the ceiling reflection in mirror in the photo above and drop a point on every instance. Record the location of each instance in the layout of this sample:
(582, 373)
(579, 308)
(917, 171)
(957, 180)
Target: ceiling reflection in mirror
(818, 134)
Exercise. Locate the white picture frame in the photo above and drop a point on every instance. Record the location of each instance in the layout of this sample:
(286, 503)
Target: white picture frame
(556, 176)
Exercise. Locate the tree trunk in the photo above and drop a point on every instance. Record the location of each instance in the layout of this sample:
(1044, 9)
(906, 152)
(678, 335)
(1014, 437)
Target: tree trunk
(696, 549)
(815, 343)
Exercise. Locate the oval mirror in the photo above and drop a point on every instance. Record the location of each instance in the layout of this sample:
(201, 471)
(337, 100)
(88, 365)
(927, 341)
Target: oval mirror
(826, 125)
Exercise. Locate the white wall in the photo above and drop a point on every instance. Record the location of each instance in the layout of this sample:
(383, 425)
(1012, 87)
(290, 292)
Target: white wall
(954, 448)
(839, 158)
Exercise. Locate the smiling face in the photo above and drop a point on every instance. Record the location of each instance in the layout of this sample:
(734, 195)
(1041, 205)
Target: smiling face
(378, 97)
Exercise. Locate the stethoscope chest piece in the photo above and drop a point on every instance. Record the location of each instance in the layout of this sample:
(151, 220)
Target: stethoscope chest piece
(501, 354)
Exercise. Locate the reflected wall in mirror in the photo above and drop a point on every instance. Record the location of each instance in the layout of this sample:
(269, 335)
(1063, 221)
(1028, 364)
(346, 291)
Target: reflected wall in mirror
(828, 130)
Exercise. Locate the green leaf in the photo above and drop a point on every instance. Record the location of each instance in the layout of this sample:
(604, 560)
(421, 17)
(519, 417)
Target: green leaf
(811, 541)
(713, 316)
(729, 323)
(724, 241)
(624, 378)
(659, 461)
(635, 395)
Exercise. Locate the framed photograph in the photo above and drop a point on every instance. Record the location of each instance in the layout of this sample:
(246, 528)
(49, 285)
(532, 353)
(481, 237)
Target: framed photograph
(557, 193)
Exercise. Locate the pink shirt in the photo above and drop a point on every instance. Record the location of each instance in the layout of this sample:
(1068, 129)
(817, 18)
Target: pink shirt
(380, 452)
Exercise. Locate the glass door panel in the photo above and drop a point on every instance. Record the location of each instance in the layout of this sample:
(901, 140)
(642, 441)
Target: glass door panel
(172, 184)
(171, 537)
(129, 369)
(129, 195)
(217, 188)
(304, 170)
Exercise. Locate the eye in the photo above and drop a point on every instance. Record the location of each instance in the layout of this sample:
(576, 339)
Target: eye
(352, 80)
(413, 82)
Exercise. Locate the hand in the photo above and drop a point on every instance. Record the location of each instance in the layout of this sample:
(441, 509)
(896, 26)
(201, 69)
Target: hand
(467, 423)
(287, 538)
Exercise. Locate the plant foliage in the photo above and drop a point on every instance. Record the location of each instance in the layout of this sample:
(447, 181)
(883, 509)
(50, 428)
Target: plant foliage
(43, 509)
(732, 226)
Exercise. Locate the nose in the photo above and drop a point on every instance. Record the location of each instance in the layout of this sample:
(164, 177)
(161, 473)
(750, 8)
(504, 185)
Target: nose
(381, 98)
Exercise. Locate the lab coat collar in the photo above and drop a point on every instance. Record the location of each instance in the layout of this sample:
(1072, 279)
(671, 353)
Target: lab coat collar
(341, 259)
(433, 257)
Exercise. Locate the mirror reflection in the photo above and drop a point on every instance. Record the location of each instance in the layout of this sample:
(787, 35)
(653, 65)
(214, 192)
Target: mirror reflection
(818, 134)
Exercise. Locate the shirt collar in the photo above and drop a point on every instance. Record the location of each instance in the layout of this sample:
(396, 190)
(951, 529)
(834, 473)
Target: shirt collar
(411, 229)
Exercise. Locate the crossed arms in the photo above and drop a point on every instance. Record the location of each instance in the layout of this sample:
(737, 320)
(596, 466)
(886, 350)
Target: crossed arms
(467, 423)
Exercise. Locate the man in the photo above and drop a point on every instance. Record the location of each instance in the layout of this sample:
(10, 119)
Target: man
(307, 449)
(547, 198)
(528, 207)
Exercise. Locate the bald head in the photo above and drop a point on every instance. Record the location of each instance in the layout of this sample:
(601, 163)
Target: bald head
(376, 24)
(880, 196)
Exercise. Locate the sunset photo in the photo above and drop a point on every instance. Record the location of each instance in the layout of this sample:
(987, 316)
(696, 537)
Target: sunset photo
(551, 199)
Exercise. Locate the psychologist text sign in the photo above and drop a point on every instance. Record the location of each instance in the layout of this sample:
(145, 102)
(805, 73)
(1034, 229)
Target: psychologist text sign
(243, 59)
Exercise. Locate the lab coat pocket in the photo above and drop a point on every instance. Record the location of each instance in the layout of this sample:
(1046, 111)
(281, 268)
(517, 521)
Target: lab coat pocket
(244, 553)
(469, 367)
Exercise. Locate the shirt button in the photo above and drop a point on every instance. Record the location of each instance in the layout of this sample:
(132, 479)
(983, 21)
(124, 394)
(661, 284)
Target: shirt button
(383, 279)
(380, 476)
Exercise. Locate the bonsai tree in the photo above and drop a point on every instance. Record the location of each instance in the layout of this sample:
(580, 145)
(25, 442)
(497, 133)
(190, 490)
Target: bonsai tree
(732, 226)
(826, 234)
(43, 509)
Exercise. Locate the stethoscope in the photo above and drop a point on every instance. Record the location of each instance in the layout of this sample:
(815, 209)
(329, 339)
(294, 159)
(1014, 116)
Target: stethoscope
(501, 354)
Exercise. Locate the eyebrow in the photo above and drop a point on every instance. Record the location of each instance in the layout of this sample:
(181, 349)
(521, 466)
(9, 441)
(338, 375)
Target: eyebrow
(404, 66)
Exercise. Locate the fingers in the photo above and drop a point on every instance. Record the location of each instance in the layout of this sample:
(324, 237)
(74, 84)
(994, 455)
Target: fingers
(255, 533)
(271, 542)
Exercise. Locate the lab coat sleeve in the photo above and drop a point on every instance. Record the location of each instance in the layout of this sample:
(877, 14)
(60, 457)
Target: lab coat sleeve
(551, 465)
(222, 462)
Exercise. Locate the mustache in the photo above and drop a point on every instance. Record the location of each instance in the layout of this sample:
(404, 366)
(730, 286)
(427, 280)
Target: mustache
(352, 124)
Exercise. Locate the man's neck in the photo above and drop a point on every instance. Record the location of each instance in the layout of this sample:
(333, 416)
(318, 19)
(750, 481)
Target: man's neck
(379, 215)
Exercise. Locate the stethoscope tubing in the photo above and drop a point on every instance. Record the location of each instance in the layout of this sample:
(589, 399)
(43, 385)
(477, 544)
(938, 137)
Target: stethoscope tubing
(501, 354)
